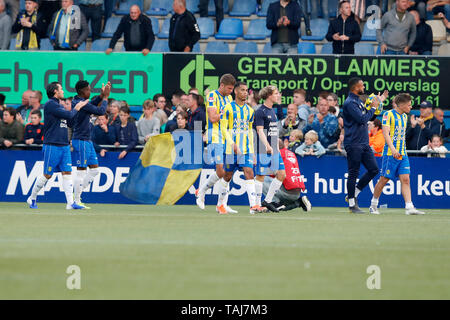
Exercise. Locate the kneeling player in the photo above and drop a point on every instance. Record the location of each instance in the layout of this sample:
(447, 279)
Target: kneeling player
(395, 159)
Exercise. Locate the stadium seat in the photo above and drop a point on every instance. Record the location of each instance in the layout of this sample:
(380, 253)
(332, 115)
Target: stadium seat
(444, 49)
(257, 30)
(192, 5)
(46, 45)
(124, 7)
(111, 27)
(155, 25)
(327, 48)
(439, 31)
(164, 32)
(230, 28)
(369, 32)
(82, 47)
(160, 46)
(212, 7)
(363, 49)
(12, 43)
(196, 48)
(217, 47)
(306, 48)
(378, 51)
(333, 8)
(159, 8)
(243, 8)
(264, 6)
(267, 48)
(246, 47)
(206, 26)
(100, 45)
(319, 29)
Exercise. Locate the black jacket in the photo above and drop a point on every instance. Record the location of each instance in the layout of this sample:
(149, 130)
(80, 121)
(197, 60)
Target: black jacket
(293, 13)
(147, 35)
(39, 28)
(187, 32)
(417, 137)
(350, 28)
(424, 38)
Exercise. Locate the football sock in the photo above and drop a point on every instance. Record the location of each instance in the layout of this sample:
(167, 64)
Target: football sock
(251, 191)
(374, 202)
(92, 173)
(209, 183)
(274, 186)
(409, 205)
(351, 202)
(40, 183)
(223, 185)
(258, 190)
(68, 187)
(357, 191)
(78, 184)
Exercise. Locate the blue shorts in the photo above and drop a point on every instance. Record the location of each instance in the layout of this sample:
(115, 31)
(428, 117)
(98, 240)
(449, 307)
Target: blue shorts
(267, 164)
(234, 162)
(83, 153)
(216, 153)
(56, 159)
(392, 168)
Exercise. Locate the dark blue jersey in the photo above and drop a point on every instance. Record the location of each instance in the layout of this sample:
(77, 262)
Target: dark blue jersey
(81, 122)
(355, 117)
(267, 118)
(34, 131)
(55, 126)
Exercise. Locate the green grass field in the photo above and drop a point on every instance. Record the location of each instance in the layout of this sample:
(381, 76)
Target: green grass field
(181, 252)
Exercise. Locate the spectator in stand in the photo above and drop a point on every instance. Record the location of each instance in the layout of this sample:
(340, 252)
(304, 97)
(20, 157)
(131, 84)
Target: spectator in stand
(5, 27)
(13, 7)
(203, 8)
(333, 101)
(283, 18)
(376, 138)
(176, 98)
(319, 5)
(444, 20)
(26, 97)
(126, 132)
(418, 132)
(423, 45)
(48, 9)
(161, 110)
(11, 131)
(35, 104)
(30, 27)
(103, 134)
(420, 6)
(306, 13)
(110, 5)
(161, 103)
(68, 29)
(324, 123)
(34, 131)
(196, 114)
(290, 123)
(185, 99)
(148, 125)
(435, 147)
(344, 31)
(172, 124)
(2, 105)
(439, 6)
(113, 117)
(184, 32)
(253, 99)
(397, 31)
(299, 100)
(137, 32)
(295, 140)
(93, 11)
(311, 146)
(182, 121)
(438, 124)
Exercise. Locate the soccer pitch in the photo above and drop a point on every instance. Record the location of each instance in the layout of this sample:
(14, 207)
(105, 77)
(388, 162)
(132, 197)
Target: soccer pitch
(181, 252)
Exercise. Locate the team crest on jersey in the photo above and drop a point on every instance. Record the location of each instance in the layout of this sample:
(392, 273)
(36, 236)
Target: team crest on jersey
(211, 99)
(49, 169)
(388, 171)
(385, 116)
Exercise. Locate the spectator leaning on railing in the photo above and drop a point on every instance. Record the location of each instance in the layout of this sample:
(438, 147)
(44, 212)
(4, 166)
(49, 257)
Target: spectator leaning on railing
(148, 125)
(103, 134)
(435, 147)
(11, 131)
(34, 130)
(126, 132)
(418, 131)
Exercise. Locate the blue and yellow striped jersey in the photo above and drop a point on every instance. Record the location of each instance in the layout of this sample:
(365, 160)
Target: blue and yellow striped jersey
(237, 124)
(397, 131)
(213, 130)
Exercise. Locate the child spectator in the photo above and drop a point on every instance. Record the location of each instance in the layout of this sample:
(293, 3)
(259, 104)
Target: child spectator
(376, 139)
(148, 125)
(295, 140)
(435, 147)
(34, 131)
(126, 132)
(113, 117)
(103, 134)
(311, 146)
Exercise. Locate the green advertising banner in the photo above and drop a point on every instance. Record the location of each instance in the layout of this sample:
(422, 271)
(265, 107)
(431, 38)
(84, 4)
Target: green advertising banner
(134, 77)
(425, 78)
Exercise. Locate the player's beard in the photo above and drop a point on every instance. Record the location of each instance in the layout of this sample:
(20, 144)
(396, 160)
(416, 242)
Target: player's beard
(361, 92)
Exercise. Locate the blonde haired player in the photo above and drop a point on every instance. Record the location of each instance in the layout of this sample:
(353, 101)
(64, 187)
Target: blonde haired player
(395, 162)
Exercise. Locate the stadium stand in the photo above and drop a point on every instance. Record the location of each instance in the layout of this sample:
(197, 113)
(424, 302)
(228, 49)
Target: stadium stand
(246, 47)
(155, 25)
(100, 45)
(243, 8)
(267, 48)
(160, 46)
(257, 30)
(264, 6)
(319, 29)
(12, 44)
(111, 27)
(363, 49)
(46, 45)
(164, 31)
(230, 28)
(192, 5)
(369, 32)
(306, 48)
(206, 26)
(159, 8)
(327, 48)
(217, 47)
(438, 28)
(124, 7)
(212, 7)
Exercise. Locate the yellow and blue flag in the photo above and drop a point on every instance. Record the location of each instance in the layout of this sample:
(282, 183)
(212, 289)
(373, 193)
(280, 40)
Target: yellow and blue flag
(166, 169)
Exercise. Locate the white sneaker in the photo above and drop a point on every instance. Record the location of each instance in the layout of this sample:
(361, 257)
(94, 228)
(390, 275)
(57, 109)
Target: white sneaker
(200, 199)
(373, 210)
(413, 211)
(306, 202)
(229, 210)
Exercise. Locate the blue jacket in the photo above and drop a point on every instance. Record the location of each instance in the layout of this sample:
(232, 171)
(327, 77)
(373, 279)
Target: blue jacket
(101, 137)
(55, 126)
(127, 135)
(81, 121)
(355, 120)
(293, 13)
(327, 131)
